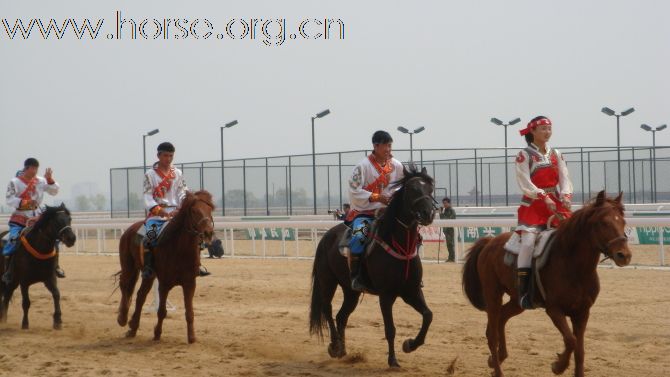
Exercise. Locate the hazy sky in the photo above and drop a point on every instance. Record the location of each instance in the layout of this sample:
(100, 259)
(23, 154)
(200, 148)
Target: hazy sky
(81, 106)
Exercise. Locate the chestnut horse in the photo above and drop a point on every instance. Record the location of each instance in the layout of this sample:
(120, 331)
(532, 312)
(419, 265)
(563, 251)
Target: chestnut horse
(390, 277)
(570, 278)
(35, 261)
(177, 260)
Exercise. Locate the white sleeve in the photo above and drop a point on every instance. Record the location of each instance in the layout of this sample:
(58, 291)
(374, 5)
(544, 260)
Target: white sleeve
(357, 195)
(12, 200)
(149, 201)
(523, 177)
(564, 182)
(51, 189)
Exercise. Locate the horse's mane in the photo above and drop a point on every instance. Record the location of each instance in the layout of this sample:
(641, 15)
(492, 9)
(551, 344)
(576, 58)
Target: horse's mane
(386, 221)
(178, 222)
(583, 220)
(48, 215)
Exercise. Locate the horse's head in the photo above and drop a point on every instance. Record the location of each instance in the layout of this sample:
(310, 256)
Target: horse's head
(417, 195)
(610, 228)
(200, 222)
(57, 223)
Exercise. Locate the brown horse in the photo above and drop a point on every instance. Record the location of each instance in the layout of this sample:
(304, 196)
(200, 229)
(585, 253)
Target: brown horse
(177, 259)
(35, 261)
(570, 278)
(412, 205)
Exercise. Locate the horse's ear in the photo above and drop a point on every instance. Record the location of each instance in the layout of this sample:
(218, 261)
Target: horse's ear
(61, 206)
(424, 171)
(600, 199)
(619, 198)
(404, 170)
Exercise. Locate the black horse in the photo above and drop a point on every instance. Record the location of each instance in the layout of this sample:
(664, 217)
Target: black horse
(35, 261)
(389, 276)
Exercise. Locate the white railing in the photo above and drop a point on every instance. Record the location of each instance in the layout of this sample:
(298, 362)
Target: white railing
(306, 234)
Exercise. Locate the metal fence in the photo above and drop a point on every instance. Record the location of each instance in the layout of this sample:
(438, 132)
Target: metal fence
(280, 186)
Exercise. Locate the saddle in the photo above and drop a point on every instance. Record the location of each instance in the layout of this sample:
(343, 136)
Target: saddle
(149, 238)
(543, 244)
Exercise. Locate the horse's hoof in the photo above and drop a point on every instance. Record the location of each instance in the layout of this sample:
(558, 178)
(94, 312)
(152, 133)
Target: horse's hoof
(191, 340)
(122, 320)
(558, 367)
(336, 350)
(24, 326)
(131, 333)
(407, 346)
(490, 362)
(58, 326)
(393, 363)
(331, 351)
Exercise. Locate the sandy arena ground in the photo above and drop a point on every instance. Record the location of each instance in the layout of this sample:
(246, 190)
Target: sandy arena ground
(251, 320)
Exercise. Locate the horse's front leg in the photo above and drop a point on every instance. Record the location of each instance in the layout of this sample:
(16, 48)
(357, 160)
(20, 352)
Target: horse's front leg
(560, 365)
(142, 293)
(162, 310)
(189, 291)
(386, 303)
(578, 329)
(52, 286)
(418, 302)
(26, 306)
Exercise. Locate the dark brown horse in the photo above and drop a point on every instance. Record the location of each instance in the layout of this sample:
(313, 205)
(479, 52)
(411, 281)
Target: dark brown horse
(412, 205)
(35, 261)
(177, 259)
(570, 278)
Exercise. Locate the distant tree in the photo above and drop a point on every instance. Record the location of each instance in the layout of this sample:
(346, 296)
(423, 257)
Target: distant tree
(82, 203)
(99, 202)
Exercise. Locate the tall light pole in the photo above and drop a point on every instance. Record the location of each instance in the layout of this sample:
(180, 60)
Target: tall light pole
(653, 143)
(610, 112)
(512, 122)
(144, 147)
(411, 143)
(319, 115)
(223, 176)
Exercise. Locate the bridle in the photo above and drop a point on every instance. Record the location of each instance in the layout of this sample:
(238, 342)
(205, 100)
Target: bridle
(428, 197)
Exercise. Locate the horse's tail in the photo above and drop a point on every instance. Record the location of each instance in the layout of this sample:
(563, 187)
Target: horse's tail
(317, 320)
(127, 277)
(472, 286)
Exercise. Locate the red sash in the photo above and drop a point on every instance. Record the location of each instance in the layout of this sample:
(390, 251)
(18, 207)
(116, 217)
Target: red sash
(384, 176)
(165, 184)
(27, 194)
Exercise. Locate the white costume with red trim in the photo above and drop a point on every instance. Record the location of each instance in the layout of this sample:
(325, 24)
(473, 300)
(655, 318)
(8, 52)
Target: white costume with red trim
(20, 191)
(368, 179)
(541, 175)
(166, 191)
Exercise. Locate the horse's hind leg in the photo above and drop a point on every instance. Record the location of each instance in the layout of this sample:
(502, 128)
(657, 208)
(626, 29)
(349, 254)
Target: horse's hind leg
(189, 291)
(328, 287)
(134, 323)
(162, 310)
(52, 286)
(560, 365)
(5, 299)
(493, 309)
(127, 282)
(386, 304)
(348, 306)
(418, 302)
(509, 310)
(25, 305)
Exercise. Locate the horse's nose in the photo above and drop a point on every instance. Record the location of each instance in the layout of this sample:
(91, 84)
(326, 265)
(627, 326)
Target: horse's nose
(620, 255)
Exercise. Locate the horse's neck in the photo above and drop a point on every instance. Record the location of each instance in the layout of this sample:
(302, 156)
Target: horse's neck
(582, 257)
(39, 240)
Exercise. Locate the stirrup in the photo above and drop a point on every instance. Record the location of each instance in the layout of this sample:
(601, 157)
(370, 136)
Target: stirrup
(357, 285)
(202, 271)
(525, 302)
(147, 272)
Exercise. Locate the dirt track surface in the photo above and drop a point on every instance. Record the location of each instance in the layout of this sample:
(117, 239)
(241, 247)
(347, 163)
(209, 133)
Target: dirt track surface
(251, 320)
